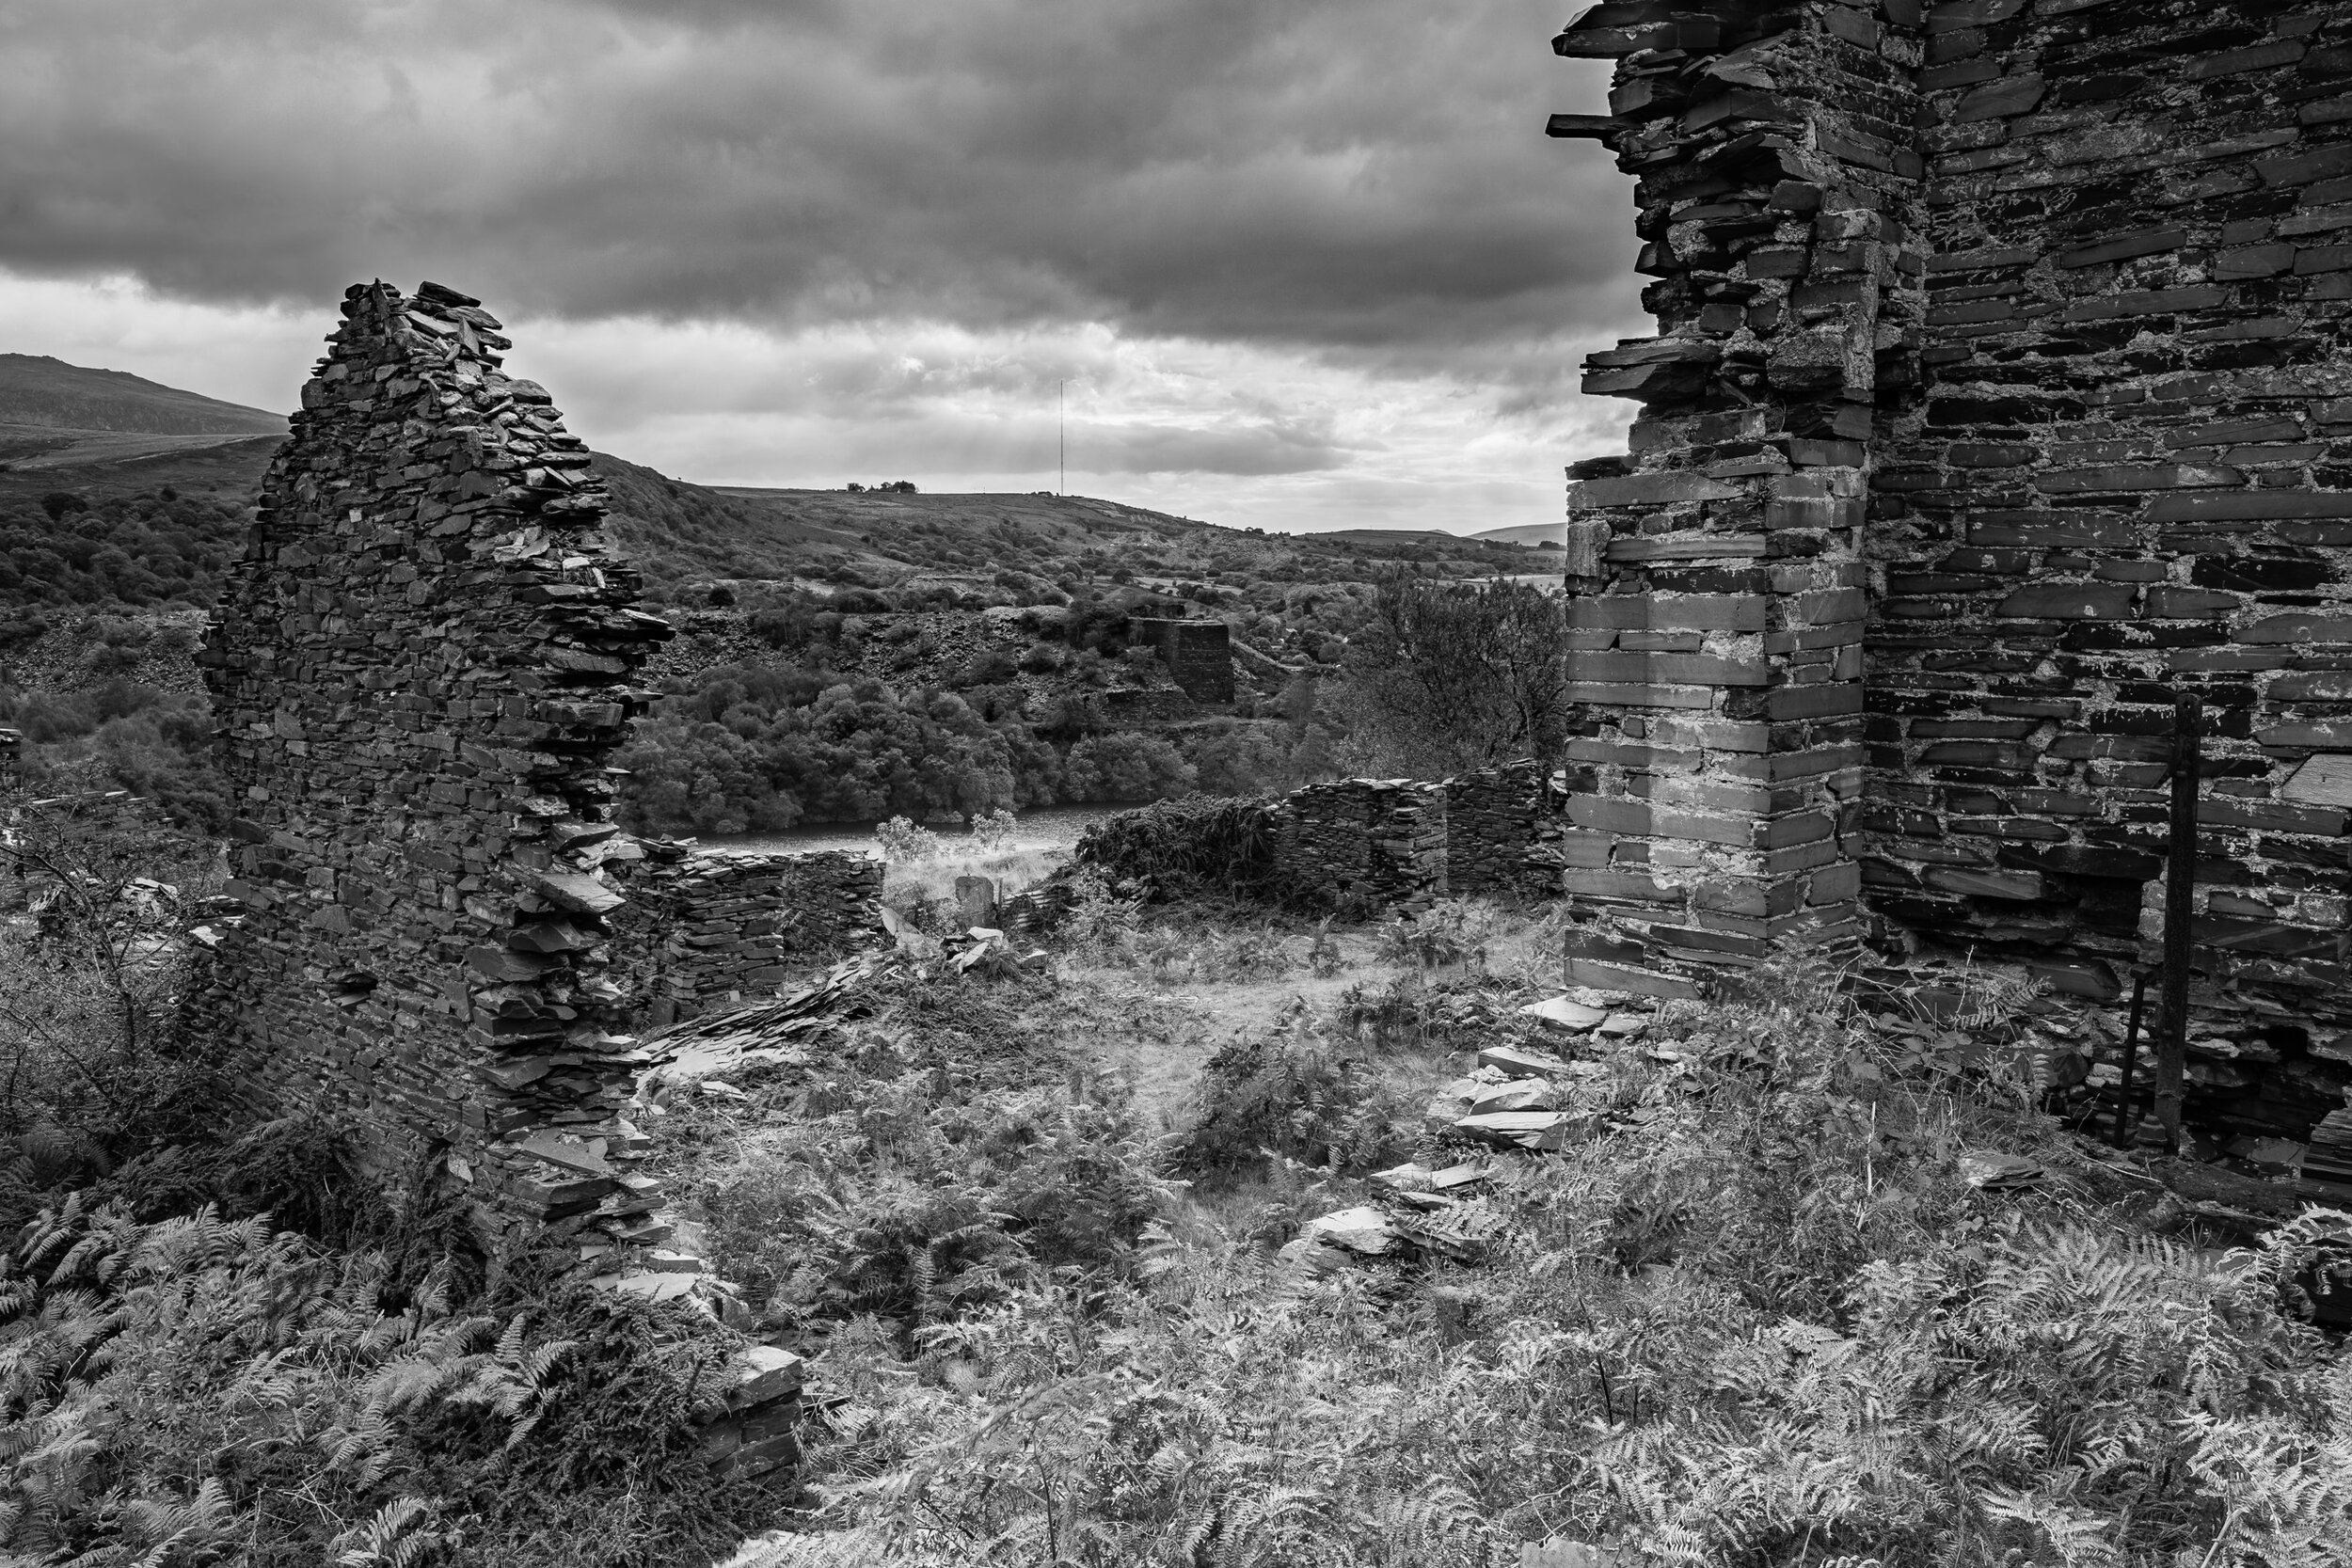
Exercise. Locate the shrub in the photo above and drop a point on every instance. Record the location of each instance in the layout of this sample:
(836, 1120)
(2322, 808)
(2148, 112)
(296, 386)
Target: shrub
(1291, 1092)
(1176, 845)
(905, 843)
(1126, 765)
(991, 833)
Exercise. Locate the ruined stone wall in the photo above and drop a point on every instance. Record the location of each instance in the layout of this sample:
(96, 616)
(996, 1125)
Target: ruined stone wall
(1373, 844)
(1199, 653)
(2081, 269)
(1717, 571)
(2126, 479)
(1501, 829)
(418, 669)
(703, 932)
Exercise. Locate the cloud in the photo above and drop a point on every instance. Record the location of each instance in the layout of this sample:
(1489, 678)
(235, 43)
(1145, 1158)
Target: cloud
(1297, 264)
(1363, 175)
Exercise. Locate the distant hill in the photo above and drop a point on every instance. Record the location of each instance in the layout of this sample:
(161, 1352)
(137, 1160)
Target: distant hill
(1531, 534)
(678, 529)
(684, 536)
(106, 433)
(46, 393)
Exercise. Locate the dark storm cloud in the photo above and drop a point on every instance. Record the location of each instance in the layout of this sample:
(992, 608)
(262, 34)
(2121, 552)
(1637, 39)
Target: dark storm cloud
(1367, 177)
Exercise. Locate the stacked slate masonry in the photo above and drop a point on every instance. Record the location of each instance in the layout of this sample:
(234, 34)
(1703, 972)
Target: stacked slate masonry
(2001, 394)
(420, 668)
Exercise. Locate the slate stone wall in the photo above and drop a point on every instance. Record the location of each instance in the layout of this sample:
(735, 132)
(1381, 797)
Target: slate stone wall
(418, 669)
(1368, 844)
(1501, 829)
(1717, 570)
(2000, 394)
(2126, 477)
(703, 931)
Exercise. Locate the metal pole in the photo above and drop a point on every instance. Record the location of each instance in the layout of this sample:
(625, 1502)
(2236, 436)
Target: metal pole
(1061, 421)
(2180, 882)
(2130, 1057)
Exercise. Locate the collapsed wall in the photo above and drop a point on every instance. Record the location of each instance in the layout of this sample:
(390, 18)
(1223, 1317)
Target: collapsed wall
(703, 932)
(1199, 654)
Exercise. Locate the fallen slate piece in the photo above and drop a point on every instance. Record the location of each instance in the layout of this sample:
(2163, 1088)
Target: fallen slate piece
(1522, 1063)
(1414, 1177)
(1621, 1026)
(1519, 1094)
(1451, 1103)
(1986, 1167)
(577, 892)
(1314, 1258)
(1541, 1131)
(1363, 1230)
(1561, 1013)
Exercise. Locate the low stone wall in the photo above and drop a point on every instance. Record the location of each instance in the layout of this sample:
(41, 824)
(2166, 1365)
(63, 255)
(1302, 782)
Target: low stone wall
(1501, 824)
(704, 931)
(1376, 842)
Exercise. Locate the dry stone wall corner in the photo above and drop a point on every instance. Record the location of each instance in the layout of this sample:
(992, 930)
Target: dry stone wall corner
(1717, 572)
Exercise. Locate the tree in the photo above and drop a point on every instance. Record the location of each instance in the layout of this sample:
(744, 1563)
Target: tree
(1447, 676)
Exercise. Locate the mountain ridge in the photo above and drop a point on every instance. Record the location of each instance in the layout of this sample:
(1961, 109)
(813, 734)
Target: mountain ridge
(47, 393)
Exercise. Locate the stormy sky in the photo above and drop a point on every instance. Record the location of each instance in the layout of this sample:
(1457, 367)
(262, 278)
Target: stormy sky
(1294, 263)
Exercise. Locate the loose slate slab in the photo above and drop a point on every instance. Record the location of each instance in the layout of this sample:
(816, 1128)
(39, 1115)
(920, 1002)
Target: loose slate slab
(1561, 1013)
(1519, 1094)
(1539, 1130)
(1363, 1230)
(1522, 1063)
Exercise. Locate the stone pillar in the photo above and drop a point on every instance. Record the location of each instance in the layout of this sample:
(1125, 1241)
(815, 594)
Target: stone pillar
(1716, 571)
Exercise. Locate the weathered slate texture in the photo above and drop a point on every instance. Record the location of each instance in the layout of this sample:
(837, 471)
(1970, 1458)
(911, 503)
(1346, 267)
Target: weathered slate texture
(1199, 653)
(703, 932)
(1367, 844)
(1720, 588)
(418, 669)
(2126, 477)
(1500, 829)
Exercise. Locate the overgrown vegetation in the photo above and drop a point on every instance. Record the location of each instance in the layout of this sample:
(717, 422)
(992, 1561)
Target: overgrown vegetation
(748, 749)
(1447, 678)
(1179, 847)
(1757, 1315)
(143, 550)
(220, 1343)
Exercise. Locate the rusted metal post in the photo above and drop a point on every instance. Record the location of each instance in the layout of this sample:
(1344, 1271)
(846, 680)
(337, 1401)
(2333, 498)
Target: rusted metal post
(2131, 1059)
(2180, 880)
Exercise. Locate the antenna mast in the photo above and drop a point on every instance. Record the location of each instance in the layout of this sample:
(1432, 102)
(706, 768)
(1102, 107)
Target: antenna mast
(1061, 412)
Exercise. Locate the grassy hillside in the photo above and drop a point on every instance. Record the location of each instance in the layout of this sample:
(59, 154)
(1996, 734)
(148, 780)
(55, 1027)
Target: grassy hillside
(681, 533)
(36, 390)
